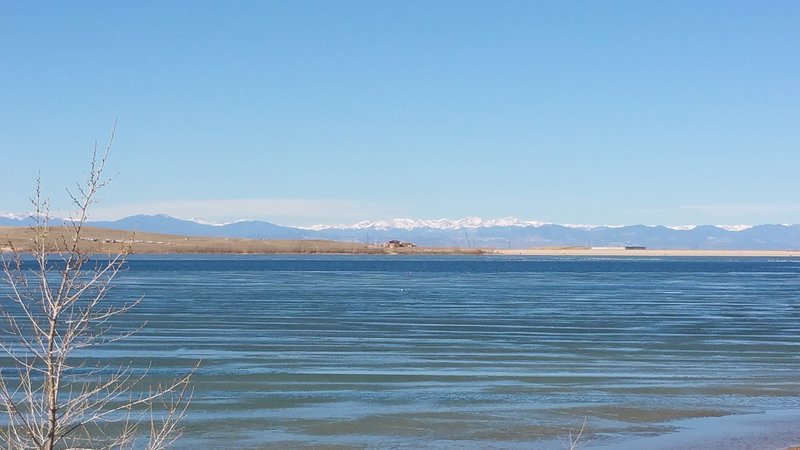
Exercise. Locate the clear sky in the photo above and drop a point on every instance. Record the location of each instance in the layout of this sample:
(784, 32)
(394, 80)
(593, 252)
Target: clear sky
(303, 112)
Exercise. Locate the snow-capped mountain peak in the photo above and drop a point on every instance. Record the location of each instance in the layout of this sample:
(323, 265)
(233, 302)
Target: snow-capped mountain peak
(734, 227)
(682, 227)
(216, 224)
(206, 222)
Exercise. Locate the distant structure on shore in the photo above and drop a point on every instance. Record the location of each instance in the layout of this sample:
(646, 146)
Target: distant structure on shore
(397, 244)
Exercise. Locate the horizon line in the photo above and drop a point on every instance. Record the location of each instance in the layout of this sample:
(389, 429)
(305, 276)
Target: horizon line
(464, 222)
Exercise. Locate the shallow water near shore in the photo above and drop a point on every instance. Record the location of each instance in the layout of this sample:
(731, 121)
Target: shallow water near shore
(467, 352)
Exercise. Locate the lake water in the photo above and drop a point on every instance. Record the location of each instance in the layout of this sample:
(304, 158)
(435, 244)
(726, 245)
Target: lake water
(468, 352)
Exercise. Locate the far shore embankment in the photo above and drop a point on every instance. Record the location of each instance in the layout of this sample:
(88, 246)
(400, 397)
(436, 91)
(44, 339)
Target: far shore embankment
(102, 240)
(622, 252)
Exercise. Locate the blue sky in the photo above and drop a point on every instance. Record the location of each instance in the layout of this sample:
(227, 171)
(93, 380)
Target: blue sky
(302, 112)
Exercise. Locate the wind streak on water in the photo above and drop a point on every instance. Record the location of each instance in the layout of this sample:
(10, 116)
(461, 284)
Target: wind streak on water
(376, 351)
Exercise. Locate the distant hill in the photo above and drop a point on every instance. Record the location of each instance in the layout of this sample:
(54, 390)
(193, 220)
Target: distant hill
(161, 223)
(474, 232)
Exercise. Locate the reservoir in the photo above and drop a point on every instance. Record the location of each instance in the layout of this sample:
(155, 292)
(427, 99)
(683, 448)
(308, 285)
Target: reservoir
(471, 352)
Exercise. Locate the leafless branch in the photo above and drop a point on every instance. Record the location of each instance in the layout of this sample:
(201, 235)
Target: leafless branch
(55, 303)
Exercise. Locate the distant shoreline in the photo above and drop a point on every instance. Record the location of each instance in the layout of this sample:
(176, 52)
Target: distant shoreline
(101, 240)
(571, 251)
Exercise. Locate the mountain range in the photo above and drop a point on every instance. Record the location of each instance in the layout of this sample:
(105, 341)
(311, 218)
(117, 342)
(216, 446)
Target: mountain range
(475, 232)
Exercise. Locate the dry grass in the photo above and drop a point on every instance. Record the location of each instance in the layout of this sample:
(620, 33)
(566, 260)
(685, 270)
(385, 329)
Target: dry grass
(102, 240)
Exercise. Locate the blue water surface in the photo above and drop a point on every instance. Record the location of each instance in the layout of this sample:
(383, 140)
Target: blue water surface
(461, 352)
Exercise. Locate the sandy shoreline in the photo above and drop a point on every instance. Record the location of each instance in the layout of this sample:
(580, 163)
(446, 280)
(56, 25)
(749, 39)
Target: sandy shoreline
(645, 253)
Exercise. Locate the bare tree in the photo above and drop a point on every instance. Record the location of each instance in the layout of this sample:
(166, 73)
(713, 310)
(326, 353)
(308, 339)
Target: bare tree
(56, 309)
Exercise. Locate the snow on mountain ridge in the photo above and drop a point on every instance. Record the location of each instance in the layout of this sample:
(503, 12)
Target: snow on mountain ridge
(734, 227)
(473, 222)
(682, 227)
(578, 226)
(217, 224)
(206, 222)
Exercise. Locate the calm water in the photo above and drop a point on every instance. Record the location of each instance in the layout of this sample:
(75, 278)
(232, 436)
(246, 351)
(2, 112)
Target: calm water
(463, 352)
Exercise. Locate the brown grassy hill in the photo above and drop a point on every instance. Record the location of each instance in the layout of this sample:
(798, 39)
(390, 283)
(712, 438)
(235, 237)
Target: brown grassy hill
(102, 240)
